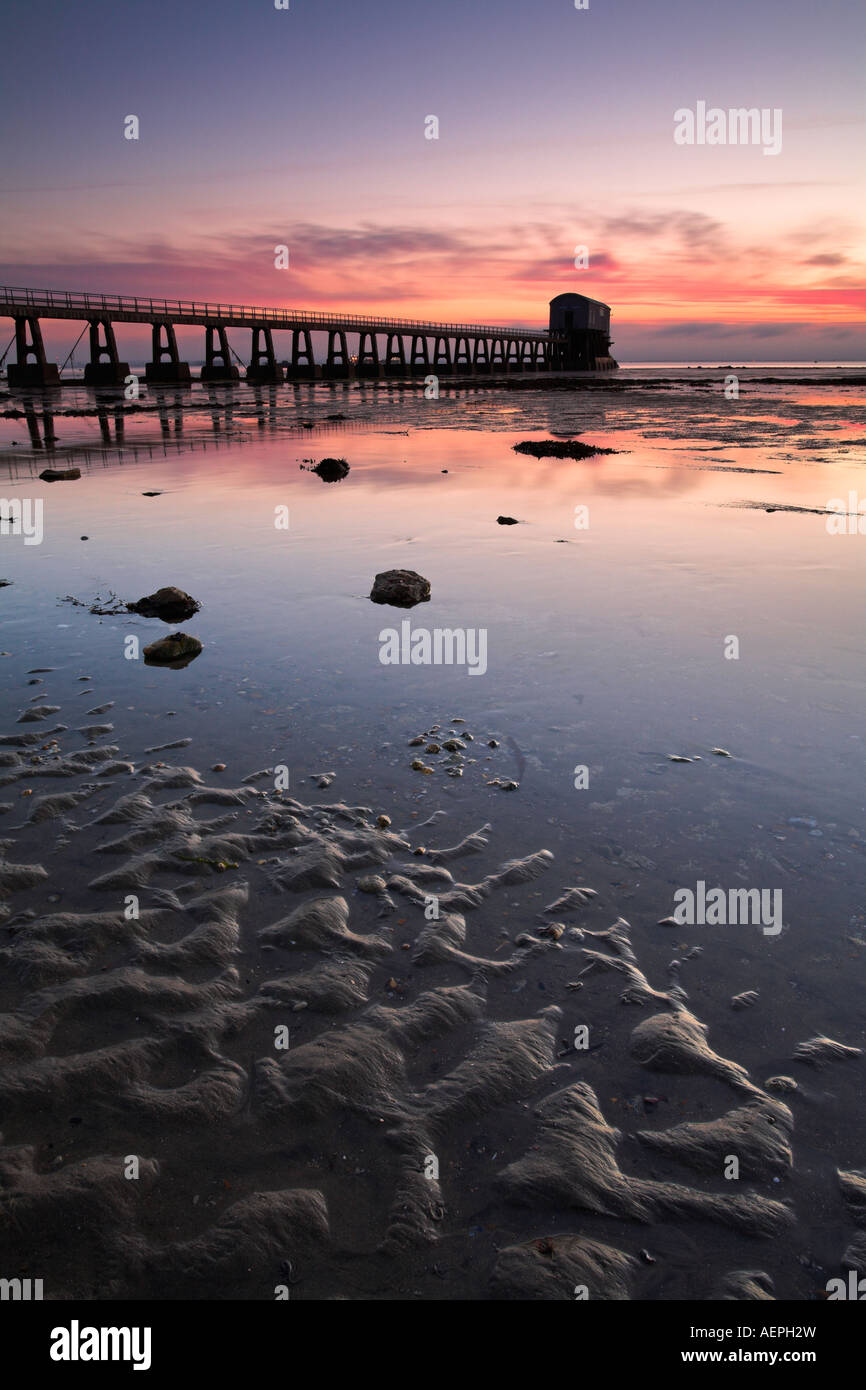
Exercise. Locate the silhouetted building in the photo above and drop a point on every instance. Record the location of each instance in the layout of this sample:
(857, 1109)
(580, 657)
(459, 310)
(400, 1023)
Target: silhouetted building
(586, 325)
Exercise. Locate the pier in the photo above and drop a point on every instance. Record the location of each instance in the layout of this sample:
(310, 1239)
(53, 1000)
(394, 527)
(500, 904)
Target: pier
(379, 347)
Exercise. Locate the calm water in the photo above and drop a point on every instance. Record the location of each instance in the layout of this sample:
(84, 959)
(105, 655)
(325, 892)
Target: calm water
(605, 645)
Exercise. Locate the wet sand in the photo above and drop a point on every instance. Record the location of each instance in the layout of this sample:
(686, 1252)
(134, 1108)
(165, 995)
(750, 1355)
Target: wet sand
(413, 1038)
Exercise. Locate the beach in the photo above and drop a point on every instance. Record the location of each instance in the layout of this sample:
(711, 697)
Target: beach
(338, 1026)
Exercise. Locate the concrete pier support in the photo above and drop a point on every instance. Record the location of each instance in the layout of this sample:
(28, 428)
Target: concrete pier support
(23, 372)
(172, 370)
(337, 363)
(442, 354)
(103, 344)
(462, 355)
(497, 355)
(526, 361)
(419, 353)
(512, 355)
(303, 358)
(481, 355)
(218, 365)
(395, 355)
(264, 366)
(368, 354)
(541, 362)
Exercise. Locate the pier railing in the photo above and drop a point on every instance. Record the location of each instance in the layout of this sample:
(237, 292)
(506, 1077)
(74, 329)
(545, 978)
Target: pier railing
(138, 308)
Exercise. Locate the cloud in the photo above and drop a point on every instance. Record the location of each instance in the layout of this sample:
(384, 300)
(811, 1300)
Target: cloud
(827, 258)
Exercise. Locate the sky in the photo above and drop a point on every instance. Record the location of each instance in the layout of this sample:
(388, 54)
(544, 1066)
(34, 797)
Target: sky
(305, 127)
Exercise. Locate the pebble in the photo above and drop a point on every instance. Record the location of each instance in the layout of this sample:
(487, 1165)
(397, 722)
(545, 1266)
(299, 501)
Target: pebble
(218, 767)
(781, 1083)
(383, 822)
(371, 883)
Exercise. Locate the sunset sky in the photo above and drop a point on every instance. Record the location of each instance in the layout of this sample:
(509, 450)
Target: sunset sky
(306, 127)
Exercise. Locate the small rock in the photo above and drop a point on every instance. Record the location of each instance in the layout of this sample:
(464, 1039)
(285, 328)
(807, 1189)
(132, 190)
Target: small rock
(507, 521)
(402, 588)
(781, 1083)
(170, 604)
(60, 475)
(553, 929)
(331, 470)
(218, 767)
(178, 649)
(383, 822)
(371, 883)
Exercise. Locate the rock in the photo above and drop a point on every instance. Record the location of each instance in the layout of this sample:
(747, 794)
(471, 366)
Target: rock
(60, 475)
(383, 822)
(372, 883)
(559, 449)
(151, 494)
(781, 1083)
(331, 470)
(402, 588)
(170, 604)
(178, 649)
(507, 521)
